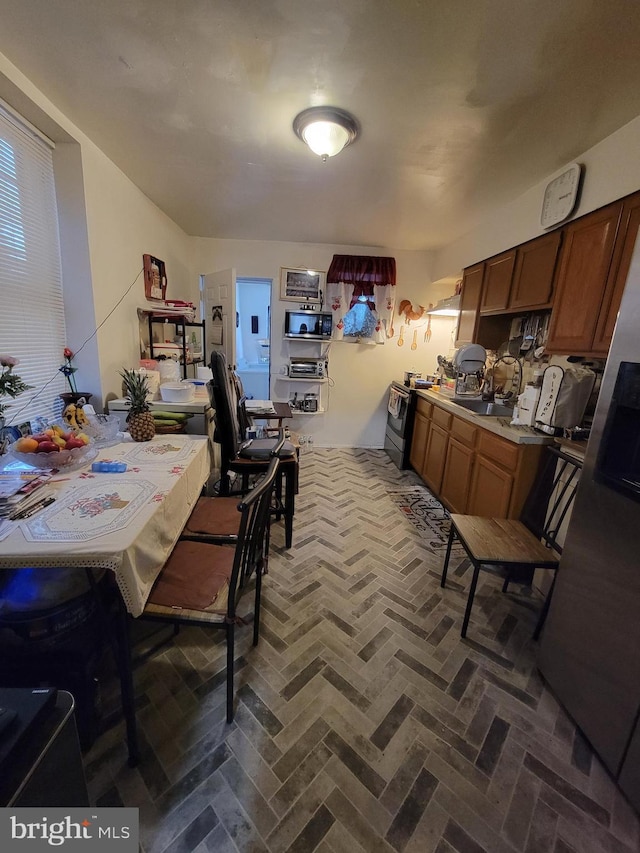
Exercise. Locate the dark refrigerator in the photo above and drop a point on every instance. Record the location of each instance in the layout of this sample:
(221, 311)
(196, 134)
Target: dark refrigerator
(590, 650)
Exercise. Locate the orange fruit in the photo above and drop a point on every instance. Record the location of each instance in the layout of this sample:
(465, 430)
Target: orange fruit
(26, 444)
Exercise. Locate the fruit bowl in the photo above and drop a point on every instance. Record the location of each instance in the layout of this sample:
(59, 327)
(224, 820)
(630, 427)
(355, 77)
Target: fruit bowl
(56, 455)
(56, 459)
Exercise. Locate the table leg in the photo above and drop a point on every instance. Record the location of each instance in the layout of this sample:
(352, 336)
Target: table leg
(125, 672)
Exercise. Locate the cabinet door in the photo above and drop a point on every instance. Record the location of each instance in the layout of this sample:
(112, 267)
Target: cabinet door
(435, 457)
(456, 477)
(419, 442)
(625, 244)
(490, 492)
(498, 273)
(584, 266)
(533, 276)
(469, 304)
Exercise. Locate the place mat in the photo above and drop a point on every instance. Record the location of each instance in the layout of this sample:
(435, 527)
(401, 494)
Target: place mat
(92, 508)
(162, 451)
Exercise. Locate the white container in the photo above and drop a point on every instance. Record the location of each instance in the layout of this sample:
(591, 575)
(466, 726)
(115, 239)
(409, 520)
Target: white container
(204, 374)
(178, 392)
(167, 348)
(169, 371)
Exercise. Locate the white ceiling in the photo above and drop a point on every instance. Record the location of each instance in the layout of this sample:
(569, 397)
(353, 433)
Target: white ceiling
(463, 104)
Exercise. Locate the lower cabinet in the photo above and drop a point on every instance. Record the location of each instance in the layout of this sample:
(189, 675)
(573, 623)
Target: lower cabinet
(472, 470)
(491, 489)
(458, 468)
(420, 435)
(434, 459)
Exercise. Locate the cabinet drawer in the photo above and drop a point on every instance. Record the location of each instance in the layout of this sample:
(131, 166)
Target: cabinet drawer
(441, 418)
(503, 452)
(463, 431)
(424, 407)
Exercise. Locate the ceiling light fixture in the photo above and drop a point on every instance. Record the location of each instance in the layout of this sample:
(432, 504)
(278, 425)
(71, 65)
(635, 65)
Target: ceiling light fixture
(326, 130)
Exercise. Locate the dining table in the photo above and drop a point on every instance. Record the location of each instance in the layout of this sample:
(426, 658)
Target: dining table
(122, 522)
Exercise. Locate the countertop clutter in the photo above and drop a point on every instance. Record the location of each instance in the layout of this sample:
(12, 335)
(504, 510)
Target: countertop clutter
(497, 425)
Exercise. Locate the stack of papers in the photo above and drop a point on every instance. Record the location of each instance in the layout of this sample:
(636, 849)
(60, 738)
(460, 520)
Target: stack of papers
(259, 407)
(20, 490)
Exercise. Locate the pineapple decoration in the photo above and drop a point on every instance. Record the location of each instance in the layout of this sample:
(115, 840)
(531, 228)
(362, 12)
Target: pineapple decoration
(140, 420)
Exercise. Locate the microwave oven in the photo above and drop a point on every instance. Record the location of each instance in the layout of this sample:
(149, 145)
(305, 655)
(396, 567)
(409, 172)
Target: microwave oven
(307, 325)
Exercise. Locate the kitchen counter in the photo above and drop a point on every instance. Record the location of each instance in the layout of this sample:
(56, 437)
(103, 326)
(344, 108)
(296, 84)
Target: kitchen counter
(498, 426)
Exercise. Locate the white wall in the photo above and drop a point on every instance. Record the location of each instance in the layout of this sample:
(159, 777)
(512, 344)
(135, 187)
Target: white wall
(611, 170)
(107, 225)
(360, 373)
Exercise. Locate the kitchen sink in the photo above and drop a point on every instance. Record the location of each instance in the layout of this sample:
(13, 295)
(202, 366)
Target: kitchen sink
(486, 408)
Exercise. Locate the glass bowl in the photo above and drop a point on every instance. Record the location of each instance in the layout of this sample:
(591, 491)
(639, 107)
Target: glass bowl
(77, 456)
(103, 429)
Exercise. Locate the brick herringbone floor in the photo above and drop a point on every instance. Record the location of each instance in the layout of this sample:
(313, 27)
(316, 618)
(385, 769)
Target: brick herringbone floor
(363, 722)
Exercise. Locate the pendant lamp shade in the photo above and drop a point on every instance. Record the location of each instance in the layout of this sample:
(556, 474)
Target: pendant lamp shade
(326, 130)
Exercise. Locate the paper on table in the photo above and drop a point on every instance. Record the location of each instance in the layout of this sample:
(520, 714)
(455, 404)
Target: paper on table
(263, 407)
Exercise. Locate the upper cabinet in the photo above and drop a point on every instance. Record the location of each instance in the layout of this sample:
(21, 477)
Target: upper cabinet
(582, 281)
(578, 271)
(498, 273)
(618, 272)
(521, 279)
(469, 304)
(534, 273)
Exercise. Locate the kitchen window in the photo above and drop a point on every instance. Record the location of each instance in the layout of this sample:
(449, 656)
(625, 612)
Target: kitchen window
(32, 323)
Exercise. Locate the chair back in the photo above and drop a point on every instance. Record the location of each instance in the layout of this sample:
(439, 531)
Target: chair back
(224, 401)
(253, 539)
(551, 497)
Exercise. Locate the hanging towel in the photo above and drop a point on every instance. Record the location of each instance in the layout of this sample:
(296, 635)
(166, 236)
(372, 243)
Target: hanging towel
(395, 401)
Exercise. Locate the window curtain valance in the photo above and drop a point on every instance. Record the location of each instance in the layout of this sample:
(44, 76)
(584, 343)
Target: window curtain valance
(361, 294)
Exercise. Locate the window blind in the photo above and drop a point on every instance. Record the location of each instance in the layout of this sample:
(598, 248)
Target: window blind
(32, 326)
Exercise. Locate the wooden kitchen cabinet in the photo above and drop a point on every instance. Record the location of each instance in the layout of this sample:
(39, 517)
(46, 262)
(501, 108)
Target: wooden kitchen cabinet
(623, 250)
(534, 273)
(420, 435)
(458, 465)
(491, 488)
(585, 263)
(469, 304)
(456, 476)
(470, 469)
(496, 282)
(435, 456)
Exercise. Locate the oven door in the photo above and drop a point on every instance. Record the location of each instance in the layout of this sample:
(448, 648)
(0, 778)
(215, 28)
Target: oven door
(398, 410)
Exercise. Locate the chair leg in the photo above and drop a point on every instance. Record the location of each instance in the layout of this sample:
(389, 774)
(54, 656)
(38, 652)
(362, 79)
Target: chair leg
(230, 653)
(545, 609)
(507, 580)
(256, 608)
(289, 506)
(472, 592)
(452, 533)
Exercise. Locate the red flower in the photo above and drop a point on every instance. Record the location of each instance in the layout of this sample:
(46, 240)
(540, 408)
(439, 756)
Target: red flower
(67, 353)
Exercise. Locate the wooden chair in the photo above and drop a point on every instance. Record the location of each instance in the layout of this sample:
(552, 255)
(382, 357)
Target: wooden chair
(530, 542)
(202, 582)
(229, 433)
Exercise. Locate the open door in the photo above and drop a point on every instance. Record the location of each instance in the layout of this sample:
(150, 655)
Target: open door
(219, 300)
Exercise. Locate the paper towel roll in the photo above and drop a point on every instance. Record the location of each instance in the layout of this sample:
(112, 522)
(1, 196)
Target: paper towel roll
(204, 374)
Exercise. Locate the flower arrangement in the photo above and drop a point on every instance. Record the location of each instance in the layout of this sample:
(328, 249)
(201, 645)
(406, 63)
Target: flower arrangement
(11, 385)
(68, 369)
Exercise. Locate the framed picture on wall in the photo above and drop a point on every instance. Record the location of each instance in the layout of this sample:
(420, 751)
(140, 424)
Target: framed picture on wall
(301, 285)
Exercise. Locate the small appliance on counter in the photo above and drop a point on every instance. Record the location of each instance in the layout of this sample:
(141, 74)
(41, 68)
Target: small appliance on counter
(464, 373)
(563, 398)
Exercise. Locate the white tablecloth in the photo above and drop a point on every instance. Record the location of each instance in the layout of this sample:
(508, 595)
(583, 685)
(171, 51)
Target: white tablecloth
(127, 523)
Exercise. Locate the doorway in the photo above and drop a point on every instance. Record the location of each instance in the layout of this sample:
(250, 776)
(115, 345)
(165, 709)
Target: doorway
(253, 335)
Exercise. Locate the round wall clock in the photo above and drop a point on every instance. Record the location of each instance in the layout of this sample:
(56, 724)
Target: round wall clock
(560, 196)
